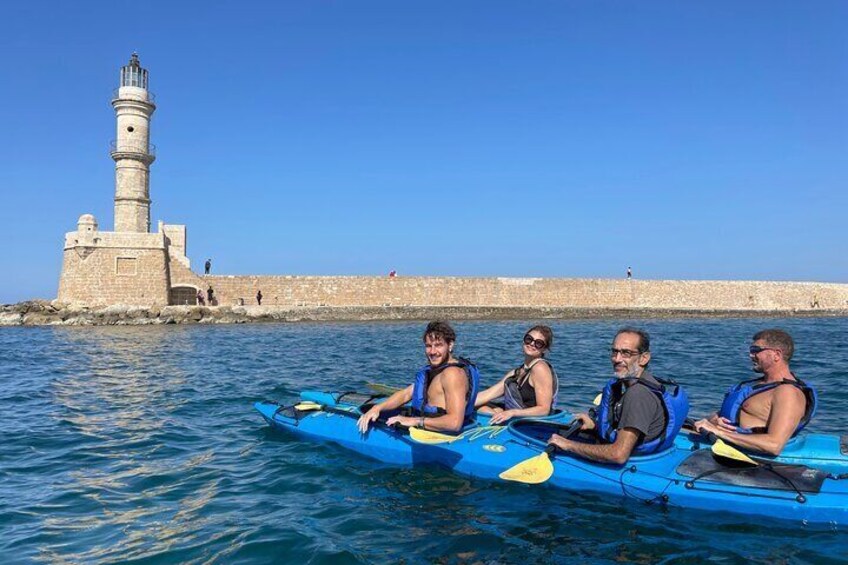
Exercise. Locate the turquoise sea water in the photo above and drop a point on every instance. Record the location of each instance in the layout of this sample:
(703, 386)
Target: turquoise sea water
(140, 445)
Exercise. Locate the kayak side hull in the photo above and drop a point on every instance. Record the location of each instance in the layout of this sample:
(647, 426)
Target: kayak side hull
(485, 451)
(652, 479)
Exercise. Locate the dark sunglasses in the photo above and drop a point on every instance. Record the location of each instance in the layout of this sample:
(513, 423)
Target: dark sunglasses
(537, 343)
(756, 349)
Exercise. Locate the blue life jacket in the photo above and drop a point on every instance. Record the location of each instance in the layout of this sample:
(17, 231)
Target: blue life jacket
(738, 394)
(519, 394)
(675, 405)
(425, 376)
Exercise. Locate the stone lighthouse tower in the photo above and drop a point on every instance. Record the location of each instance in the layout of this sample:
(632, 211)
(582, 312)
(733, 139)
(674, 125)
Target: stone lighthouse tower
(132, 150)
(131, 265)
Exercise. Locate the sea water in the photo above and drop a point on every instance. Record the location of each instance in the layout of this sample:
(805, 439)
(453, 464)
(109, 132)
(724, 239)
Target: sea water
(139, 444)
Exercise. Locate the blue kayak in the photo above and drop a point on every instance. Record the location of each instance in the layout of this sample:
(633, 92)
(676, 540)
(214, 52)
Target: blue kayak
(808, 483)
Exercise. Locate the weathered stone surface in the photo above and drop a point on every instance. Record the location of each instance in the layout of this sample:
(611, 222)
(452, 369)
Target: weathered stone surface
(34, 313)
(39, 318)
(11, 319)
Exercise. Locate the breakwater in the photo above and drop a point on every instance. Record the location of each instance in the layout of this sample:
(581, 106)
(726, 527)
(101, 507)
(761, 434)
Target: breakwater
(510, 292)
(54, 313)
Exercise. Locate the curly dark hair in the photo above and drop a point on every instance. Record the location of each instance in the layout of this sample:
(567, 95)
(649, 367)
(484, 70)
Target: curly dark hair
(437, 328)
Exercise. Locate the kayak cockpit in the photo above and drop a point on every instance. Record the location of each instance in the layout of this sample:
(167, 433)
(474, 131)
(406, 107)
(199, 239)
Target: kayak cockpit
(703, 466)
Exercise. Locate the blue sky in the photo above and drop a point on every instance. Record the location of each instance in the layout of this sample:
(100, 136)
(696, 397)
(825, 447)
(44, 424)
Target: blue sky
(691, 140)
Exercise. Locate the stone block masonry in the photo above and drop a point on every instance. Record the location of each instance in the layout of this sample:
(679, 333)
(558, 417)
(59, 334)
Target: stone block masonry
(115, 268)
(471, 292)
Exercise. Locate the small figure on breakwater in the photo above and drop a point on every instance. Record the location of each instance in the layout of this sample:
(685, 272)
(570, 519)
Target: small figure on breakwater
(210, 295)
(629, 273)
(207, 266)
(200, 299)
(259, 297)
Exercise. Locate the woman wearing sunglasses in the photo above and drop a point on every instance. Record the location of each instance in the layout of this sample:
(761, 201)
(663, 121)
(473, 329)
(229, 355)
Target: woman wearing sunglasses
(530, 389)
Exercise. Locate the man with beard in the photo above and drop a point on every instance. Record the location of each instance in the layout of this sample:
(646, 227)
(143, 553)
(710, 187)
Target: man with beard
(638, 414)
(762, 414)
(443, 394)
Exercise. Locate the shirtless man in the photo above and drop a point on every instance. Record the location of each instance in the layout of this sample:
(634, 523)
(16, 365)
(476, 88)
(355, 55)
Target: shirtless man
(762, 415)
(443, 393)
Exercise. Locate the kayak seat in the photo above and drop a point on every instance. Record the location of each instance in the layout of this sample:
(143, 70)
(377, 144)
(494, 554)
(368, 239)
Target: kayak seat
(843, 444)
(356, 398)
(538, 430)
(289, 412)
(704, 467)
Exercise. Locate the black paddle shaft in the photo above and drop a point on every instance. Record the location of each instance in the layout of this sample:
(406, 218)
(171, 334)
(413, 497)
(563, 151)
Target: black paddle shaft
(690, 423)
(377, 423)
(572, 429)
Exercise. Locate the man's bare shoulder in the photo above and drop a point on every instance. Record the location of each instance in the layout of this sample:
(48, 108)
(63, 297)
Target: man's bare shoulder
(790, 395)
(453, 374)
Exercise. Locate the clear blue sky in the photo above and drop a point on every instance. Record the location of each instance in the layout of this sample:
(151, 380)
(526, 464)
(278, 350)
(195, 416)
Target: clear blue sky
(691, 140)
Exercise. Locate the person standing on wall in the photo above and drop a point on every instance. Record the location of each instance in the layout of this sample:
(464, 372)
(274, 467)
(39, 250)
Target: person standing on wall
(207, 266)
(629, 273)
(259, 297)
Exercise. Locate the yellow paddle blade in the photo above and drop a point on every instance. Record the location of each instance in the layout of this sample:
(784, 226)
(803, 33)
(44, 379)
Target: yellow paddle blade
(426, 436)
(723, 450)
(597, 401)
(530, 471)
(382, 389)
(306, 406)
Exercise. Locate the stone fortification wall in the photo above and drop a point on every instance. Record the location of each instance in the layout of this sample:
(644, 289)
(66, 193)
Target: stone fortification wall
(183, 276)
(103, 268)
(303, 291)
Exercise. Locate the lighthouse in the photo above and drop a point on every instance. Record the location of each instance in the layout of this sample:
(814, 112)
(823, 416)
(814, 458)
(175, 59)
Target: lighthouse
(131, 149)
(132, 265)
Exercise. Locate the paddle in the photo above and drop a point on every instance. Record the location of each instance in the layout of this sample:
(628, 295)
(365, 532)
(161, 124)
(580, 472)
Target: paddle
(307, 406)
(537, 469)
(430, 437)
(721, 448)
(382, 389)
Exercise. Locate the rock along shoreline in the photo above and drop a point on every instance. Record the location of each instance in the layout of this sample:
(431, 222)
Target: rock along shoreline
(54, 313)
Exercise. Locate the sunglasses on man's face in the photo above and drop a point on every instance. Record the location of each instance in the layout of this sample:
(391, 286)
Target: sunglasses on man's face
(537, 343)
(756, 349)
